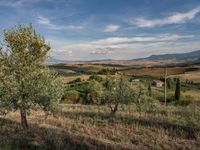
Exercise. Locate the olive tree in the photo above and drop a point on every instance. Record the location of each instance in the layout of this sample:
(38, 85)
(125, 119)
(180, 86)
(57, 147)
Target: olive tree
(117, 91)
(94, 92)
(25, 82)
(141, 97)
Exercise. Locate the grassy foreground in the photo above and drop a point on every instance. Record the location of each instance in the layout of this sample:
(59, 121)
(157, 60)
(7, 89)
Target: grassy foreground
(92, 127)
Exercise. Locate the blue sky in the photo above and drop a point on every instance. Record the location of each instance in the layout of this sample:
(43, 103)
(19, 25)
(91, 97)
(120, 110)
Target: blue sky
(108, 29)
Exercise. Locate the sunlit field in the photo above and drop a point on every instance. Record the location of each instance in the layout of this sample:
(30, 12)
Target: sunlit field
(91, 127)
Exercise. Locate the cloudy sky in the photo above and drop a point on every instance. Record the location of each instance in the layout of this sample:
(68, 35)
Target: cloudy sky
(108, 29)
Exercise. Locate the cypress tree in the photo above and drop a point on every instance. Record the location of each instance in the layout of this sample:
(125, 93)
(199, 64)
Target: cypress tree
(149, 90)
(178, 90)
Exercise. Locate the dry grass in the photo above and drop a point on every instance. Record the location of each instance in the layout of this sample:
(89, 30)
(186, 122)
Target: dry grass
(156, 71)
(96, 66)
(194, 93)
(192, 76)
(91, 127)
(71, 78)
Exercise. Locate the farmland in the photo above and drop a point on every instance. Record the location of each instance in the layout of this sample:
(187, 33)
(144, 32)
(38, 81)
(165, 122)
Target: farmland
(83, 124)
(71, 71)
(189, 73)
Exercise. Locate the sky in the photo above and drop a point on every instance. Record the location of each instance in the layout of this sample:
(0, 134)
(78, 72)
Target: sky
(108, 29)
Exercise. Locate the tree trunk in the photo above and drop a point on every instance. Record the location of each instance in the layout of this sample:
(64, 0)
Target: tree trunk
(24, 122)
(116, 108)
(113, 110)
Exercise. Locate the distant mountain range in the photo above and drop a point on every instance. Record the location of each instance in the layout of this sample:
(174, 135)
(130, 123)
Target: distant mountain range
(54, 61)
(190, 56)
(178, 58)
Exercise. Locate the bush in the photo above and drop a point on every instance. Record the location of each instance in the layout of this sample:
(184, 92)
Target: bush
(71, 96)
(169, 83)
(94, 92)
(107, 71)
(185, 100)
(75, 81)
(96, 78)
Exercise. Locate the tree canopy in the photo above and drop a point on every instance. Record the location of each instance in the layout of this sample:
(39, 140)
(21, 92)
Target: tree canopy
(25, 81)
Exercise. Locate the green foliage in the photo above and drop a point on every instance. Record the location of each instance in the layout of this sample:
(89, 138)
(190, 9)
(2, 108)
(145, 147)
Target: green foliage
(149, 90)
(117, 91)
(107, 71)
(185, 100)
(140, 95)
(113, 91)
(174, 79)
(71, 96)
(25, 82)
(77, 80)
(97, 78)
(178, 90)
(169, 83)
(93, 93)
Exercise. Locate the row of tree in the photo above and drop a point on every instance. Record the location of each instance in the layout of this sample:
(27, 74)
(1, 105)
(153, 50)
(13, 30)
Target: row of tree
(110, 91)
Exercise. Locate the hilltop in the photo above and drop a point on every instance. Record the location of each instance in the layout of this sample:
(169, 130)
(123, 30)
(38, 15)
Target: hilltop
(153, 60)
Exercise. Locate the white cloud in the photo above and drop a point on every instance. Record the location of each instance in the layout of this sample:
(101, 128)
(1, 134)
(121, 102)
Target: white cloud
(17, 3)
(102, 51)
(123, 47)
(176, 18)
(45, 21)
(157, 38)
(111, 28)
(60, 53)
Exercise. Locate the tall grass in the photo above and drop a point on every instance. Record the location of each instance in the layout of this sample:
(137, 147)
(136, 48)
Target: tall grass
(91, 127)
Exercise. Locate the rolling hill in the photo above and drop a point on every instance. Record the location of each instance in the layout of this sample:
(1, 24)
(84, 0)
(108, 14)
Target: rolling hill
(190, 56)
(153, 60)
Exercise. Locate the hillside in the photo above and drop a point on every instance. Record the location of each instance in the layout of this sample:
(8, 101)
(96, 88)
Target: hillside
(153, 60)
(191, 56)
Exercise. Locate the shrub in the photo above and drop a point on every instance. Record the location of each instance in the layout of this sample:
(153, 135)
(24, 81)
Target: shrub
(94, 92)
(96, 78)
(169, 83)
(185, 100)
(75, 81)
(107, 71)
(71, 96)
